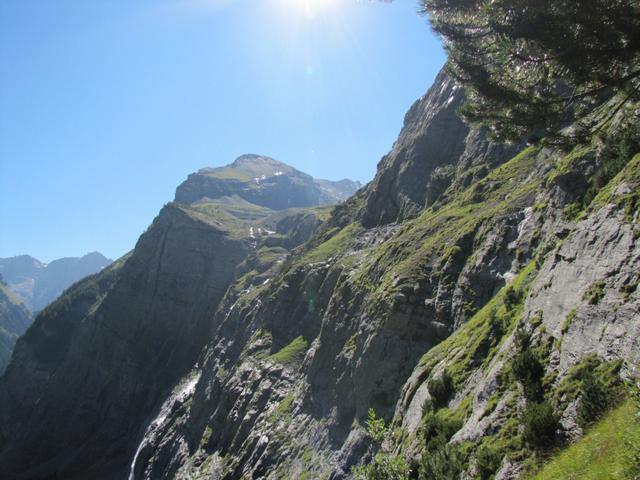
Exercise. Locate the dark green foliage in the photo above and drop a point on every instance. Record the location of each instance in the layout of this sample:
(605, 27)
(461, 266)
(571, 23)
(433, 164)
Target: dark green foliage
(529, 371)
(512, 297)
(532, 67)
(628, 290)
(567, 321)
(540, 424)
(618, 149)
(376, 427)
(527, 368)
(383, 467)
(437, 430)
(595, 292)
(441, 390)
(595, 399)
(488, 462)
(444, 463)
(606, 374)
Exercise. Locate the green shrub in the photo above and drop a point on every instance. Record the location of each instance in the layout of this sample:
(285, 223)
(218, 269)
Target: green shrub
(488, 462)
(437, 430)
(383, 467)
(444, 463)
(618, 149)
(601, 453)
(441, 390)
(526, 367)
(283, 410)
(567, 321)
(540, 424)
(376, 427)
(595, 292)
(595, 399)
(512, 297)
(628, 290)
(206, 436)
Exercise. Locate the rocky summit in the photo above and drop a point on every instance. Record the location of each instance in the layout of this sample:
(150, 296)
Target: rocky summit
(266, 182)
(468, 313)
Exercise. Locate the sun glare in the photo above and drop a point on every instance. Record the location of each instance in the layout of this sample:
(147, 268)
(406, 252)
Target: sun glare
(311, 8)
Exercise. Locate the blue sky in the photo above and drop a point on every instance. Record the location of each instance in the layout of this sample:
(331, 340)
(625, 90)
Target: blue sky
(106, 106)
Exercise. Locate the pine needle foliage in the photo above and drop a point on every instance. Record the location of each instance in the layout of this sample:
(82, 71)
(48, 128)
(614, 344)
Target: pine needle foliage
(532, 68)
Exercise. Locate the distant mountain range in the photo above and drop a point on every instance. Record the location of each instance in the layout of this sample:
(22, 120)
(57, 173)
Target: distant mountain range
(37, 283)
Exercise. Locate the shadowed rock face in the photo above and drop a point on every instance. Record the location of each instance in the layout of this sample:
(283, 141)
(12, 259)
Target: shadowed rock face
(434, 147)
(265, 182)
(101, 357)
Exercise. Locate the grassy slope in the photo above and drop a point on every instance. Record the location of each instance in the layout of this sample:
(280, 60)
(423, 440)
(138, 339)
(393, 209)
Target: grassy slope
(602, 453)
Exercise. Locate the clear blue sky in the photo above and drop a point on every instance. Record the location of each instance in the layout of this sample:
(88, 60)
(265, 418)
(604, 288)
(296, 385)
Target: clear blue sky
(107, 105)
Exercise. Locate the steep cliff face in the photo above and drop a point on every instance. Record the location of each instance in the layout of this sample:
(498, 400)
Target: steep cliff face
(434, 147)
(465, 285)
(101, 357)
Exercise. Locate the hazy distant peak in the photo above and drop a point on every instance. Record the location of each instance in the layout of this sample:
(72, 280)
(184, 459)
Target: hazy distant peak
(38, 283)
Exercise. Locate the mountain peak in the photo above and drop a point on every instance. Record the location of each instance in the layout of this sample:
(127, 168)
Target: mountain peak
(263, 181)
(255, 159)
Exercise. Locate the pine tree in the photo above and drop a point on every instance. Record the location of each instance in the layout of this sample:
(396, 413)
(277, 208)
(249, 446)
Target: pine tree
(532, 67)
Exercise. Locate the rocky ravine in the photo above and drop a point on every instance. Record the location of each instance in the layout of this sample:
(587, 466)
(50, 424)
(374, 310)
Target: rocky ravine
(456, 258)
